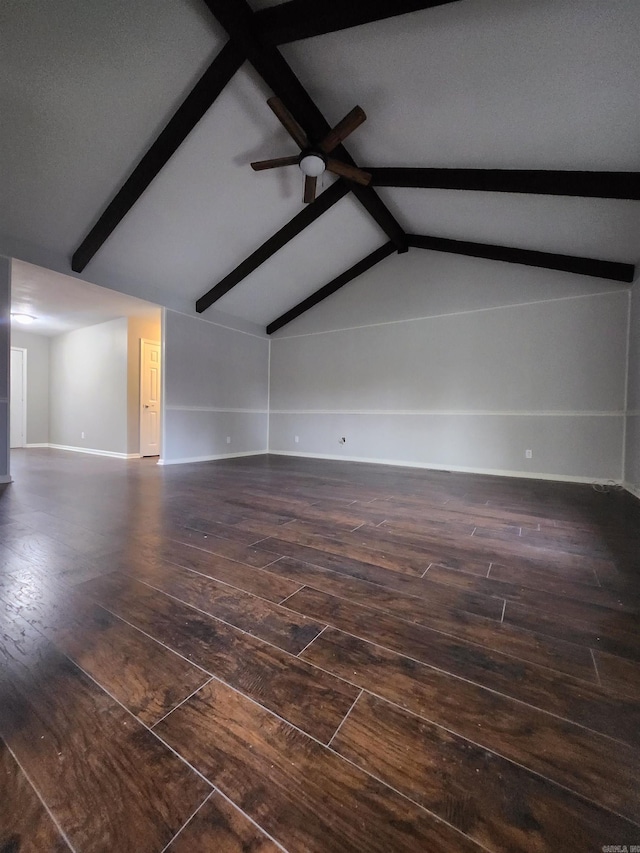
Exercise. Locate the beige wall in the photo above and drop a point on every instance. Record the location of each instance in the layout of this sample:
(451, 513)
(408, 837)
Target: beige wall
(148, 328)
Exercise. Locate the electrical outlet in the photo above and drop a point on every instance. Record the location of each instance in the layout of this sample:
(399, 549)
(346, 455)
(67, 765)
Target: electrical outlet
(81, 435)
(528, 454)
(228, 439)
(296, 438)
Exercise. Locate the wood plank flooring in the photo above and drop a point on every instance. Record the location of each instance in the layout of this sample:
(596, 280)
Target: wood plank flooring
(271, 654)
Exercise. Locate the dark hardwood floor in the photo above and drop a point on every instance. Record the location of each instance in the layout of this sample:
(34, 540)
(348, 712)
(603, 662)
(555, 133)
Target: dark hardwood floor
(270, 654)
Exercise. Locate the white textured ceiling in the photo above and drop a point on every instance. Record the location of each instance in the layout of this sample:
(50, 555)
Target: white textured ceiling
(60, 303)
(480, 83)
(549, 84)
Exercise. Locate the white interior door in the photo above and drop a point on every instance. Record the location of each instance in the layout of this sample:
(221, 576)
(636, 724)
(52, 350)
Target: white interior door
(150, 390)
(18, 399)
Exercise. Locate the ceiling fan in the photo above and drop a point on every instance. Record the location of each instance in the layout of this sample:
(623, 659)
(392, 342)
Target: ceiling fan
(313, 160)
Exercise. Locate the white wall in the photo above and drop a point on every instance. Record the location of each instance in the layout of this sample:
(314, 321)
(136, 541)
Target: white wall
(88, 390)
(5, 344)
(632, 449)
(454, 362)
(37, 347)
(215, 385)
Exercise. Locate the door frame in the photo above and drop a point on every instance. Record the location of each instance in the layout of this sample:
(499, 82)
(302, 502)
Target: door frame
(158, 344)
(23, 350)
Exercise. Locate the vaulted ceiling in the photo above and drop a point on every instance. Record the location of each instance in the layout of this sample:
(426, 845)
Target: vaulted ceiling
(470, 84)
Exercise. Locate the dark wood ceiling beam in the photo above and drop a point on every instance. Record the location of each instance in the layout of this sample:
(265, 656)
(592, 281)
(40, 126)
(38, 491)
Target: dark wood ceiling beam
(188, 114)
(300, 19)
(353, 272)
(303, 219)
(568, 263)
(239, 22)
(624, 185)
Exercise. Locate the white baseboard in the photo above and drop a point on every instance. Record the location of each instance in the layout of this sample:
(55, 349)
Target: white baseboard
(29, 446)
(5, 478)
(189, 459)
(633, 490)
(92, 451)
(492, 472)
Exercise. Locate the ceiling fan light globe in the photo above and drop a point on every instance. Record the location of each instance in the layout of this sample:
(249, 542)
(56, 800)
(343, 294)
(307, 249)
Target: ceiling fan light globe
(312, 165)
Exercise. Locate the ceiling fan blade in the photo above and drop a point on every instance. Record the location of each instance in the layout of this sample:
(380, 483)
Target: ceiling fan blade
(343, 129)
(289, 123)
(260, 165)
(309, 189)
(352, 173)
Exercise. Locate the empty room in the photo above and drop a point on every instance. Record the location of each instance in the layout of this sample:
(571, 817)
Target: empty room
(320, 456)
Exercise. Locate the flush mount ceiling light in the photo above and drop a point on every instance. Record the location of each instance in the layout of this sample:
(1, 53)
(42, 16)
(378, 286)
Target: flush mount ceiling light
(312, 164)
(25, 319)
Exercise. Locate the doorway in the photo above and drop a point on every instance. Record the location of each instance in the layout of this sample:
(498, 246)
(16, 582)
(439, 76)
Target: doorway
(150, 392)
(18, 398)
